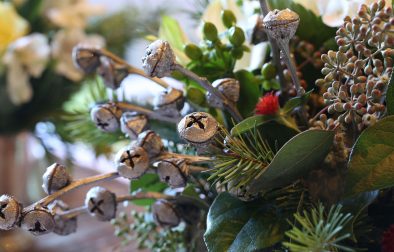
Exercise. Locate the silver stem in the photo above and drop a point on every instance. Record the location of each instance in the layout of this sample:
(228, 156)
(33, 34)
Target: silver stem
(151, 114)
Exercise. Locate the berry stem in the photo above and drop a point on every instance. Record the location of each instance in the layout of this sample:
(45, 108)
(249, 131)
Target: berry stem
(228, 105)
(151, 114)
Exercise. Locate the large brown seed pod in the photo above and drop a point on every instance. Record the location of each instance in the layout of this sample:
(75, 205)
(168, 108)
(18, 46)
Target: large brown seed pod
(10, 212)
(169, 102)
(228, 87)
(55, 178)
(63, 225)
(281, 24)
(86, 58)
(101, 203)
(198, 128)
(173, 171)
(159, 59)
(151, 142)
(38, 221)
(165, 213)
(112, 73)
(106, 116)
(132, 162)
(132, 124)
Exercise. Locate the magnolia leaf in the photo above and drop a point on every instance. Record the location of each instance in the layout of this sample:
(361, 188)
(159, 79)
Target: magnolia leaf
(371, 161)
(234, 225)
(249, 92)
(299, 155)
(296, 102)
(171, 31)
(390, 96)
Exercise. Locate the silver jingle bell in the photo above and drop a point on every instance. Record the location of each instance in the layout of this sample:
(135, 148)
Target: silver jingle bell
(173, 171)
(86, 58)
(132, 124)
(159, 59)
(55, 178)
(241, 192)
(165, 213)
(169, 102)
(112, 73)
(10, 212)
(38, 221)
(198, 128)
(106, 116)
(64, 225)
(101, 203)
(228, 87)
(281, 24)
(151, 142)
(132, 162)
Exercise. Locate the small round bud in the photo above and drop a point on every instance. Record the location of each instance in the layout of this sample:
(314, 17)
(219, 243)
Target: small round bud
(281, 24)
(86, 58)
(10, 212)
(55, 178)
(151, 142)
(169, 102)
(236, 36)
(132, 124)
(193, 51)
(173, 172)
(132, 163)
(198, 128)
(228, 18)
(106, 116)
(268, 71)
(159, 59)
(101, 203)
(228, 87)
(38, 221)
(63, 225)
(112, 73)
(210, 31)
(165, 213)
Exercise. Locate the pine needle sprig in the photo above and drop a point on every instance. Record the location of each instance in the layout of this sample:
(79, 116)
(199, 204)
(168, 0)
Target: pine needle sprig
(318, 231)
(245, 158)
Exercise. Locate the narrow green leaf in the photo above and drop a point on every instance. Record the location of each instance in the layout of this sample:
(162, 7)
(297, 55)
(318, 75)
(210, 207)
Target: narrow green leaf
(371, 160)
(295, 102)
(390, 96)
(299, 155)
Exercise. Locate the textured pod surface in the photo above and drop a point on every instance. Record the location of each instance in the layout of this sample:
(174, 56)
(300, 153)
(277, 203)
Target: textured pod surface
(132, 124)
(228, 87)
(132, 162)
(173, 172)
(55, 178)
(165, 214)
(10, 212)
(101, 203)
(281, 24)
(63, 225)
(169, 102)
(112, 73)
(159, 59)
(151, 142)
(198, 128)
(106, 116)
(38, 221)
(86, 58)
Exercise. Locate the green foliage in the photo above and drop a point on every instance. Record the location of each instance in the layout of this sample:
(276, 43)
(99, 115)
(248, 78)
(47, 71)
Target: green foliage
(147, 183)
(298, 156)
(296, 102)
(249, 92)
(234, 225)
(318, 231)
(247, 158)
(390, 96)
(371, 160)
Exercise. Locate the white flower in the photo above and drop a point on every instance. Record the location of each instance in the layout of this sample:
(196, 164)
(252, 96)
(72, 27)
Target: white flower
(62, 46)
(26, 57)
(71, 13)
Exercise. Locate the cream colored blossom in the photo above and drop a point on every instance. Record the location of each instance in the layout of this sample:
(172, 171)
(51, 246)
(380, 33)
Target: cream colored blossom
(26, 57)
(71, 13)
(62, 46)
(12, 26)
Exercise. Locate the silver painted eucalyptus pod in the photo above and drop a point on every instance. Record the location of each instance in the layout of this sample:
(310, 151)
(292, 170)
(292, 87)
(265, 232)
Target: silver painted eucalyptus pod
(169, 102)
(198, 128)
(38, 220)
(112, 73)
(132, 162)
(55, 178)
(281, 24)
(10, 212)
(228, 87)
(173, 171)
(151, 142)
(64, 225)
(132, 124)
(106, 116)
(86, 58)
(159, 59)
(165, 213)
(101, 203)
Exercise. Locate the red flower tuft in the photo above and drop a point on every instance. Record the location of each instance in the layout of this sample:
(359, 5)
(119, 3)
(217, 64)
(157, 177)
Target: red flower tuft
(388, 240)
(268, 105)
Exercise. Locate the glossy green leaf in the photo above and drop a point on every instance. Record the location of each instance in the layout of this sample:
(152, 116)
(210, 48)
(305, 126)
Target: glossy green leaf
(250, 123)
(299, 155)
(295, 102)
(249, 92)
(234, 225)
(390, 96)
(147, 183)
(371, 160)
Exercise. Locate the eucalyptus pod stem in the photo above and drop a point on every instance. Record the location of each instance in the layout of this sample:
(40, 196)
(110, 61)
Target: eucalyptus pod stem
(188, 158)
(151, 114)
(228, 105)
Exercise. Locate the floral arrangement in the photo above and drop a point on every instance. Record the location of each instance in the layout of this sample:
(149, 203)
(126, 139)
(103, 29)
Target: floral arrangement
(262, 159)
